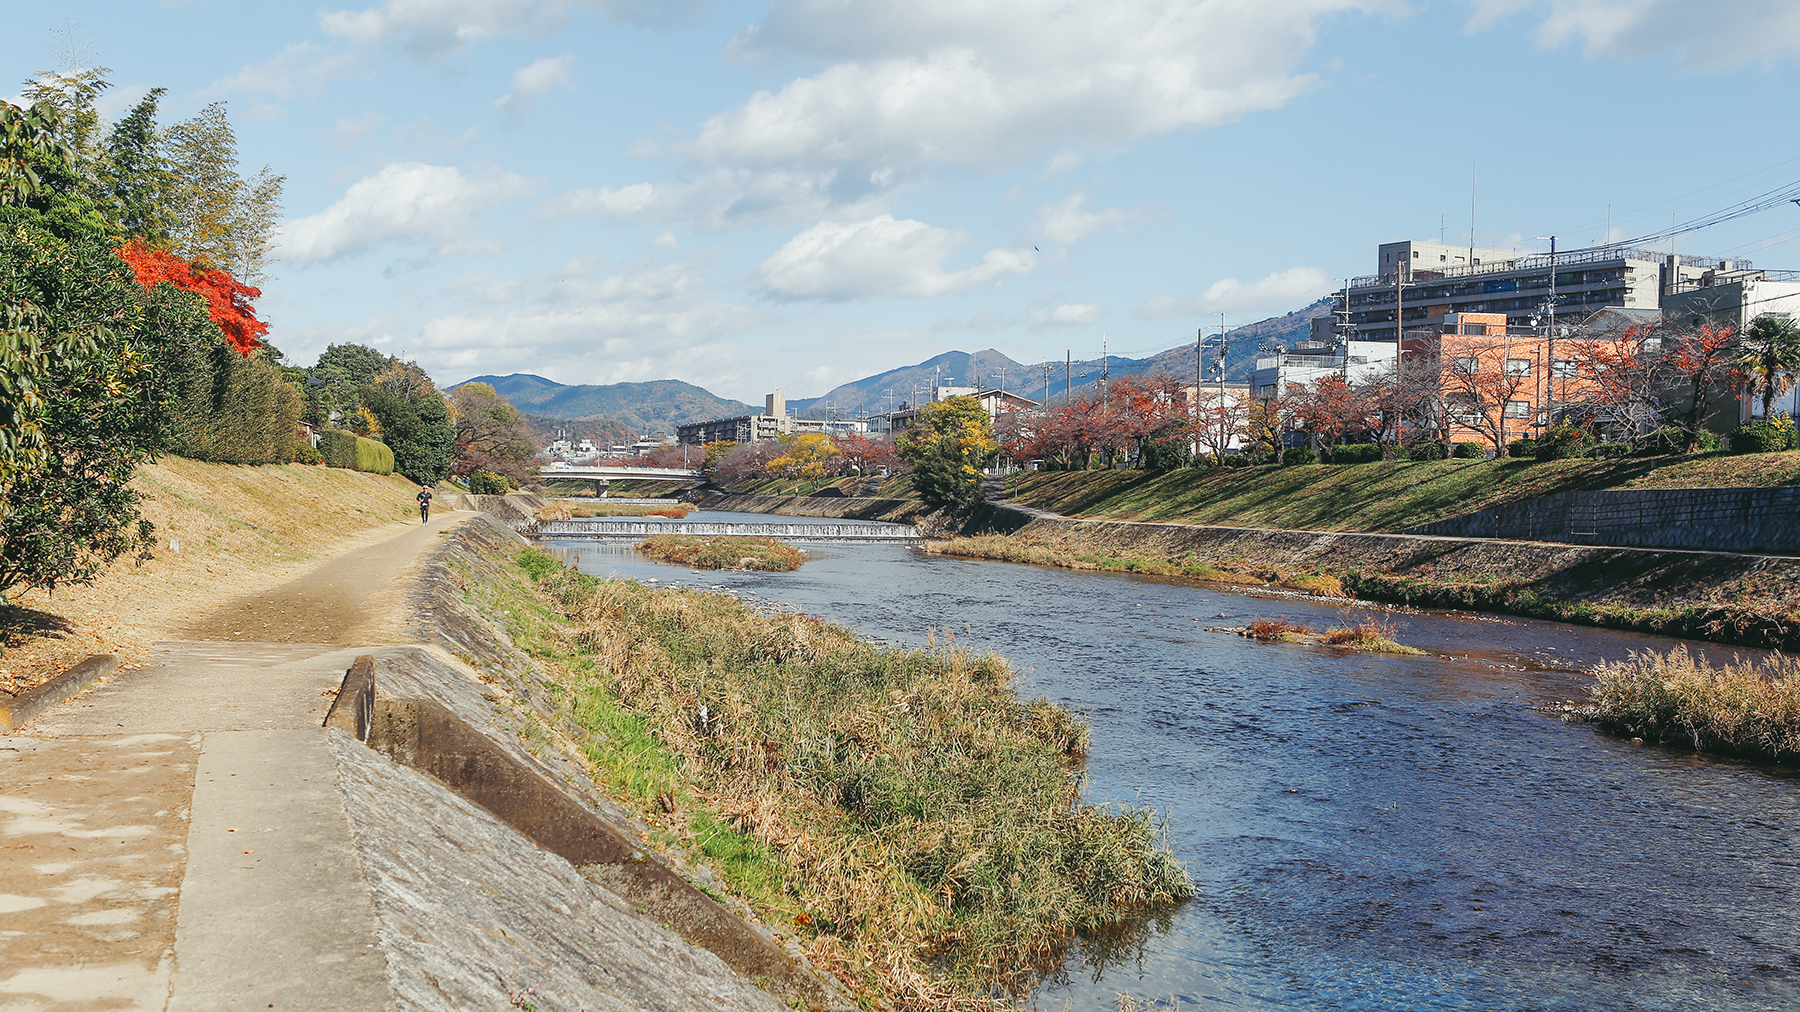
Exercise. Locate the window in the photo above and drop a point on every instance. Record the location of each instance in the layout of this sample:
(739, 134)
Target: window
(1462, 411)
(1565, 368)
(1465, 365)
(1518, 409)
(1518, 367)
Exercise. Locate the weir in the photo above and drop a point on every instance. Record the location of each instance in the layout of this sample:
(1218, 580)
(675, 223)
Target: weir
(617, 528)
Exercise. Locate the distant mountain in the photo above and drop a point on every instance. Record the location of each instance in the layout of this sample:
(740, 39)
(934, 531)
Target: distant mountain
(912, 382)
(1242, 345)
(646, 408)
(603, 432)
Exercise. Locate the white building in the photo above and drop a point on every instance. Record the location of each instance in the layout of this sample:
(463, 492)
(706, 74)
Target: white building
(1310, 361)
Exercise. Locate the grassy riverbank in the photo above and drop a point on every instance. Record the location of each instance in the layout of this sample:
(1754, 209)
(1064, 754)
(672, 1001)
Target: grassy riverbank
(917, 826)
(1037, 552)
(723, 552)
(1371, 497)
(1748, 708)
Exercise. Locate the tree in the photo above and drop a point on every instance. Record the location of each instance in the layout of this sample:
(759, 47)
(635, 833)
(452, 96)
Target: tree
(135, 183)
(1479, 386)
(808, 456)
(1704, 364)
(228, 301)
(417, 430)
(948, 444)
(1770, 353)
(858, 454)
(1221, 421)
(80, 416)
(222, 221)
(334, 385)
(490, 435)
(1619, 382)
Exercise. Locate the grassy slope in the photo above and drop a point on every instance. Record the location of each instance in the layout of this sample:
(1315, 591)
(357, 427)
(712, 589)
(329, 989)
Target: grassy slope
(1371, 497)
(236, 525)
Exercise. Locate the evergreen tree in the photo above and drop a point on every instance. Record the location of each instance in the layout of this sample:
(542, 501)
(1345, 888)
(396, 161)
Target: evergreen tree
(135, 181)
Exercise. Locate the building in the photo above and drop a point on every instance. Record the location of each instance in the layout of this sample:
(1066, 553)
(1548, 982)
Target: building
(773, 423)
(1426, 282)
(565, 449)
(992, 399)
(1310, 361)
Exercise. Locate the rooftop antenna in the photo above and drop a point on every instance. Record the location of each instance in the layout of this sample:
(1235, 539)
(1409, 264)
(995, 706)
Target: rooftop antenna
(1473, 166)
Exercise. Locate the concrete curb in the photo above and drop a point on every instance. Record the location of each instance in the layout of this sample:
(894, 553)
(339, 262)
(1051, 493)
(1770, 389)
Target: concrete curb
(39, 698)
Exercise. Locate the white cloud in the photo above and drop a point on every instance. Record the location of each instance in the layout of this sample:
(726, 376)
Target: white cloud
(1064, 221)
(405, 202)
(882, 256)
(1281, 292)
(538, 78)
(1718, 36)
(1076, 312)
(721, 199)
(429, 29)
(947, 82)
(299, 70)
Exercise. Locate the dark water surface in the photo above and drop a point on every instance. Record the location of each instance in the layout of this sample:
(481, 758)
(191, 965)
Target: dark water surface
(1367, 832)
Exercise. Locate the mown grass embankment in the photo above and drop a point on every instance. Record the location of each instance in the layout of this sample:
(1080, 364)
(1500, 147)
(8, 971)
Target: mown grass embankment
(1746, 708)
(1388, 496)
(915, 825)
(720, 551)
(234, 525)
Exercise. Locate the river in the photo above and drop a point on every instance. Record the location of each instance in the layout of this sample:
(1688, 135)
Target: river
(1367, 832)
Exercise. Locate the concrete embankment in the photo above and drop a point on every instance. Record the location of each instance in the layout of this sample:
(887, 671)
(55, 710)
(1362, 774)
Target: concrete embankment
(1712, 595)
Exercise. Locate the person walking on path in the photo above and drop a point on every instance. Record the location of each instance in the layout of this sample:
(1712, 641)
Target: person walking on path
(425, 505)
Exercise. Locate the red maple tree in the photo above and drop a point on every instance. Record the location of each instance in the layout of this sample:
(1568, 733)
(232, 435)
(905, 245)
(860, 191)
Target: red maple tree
(228, 300)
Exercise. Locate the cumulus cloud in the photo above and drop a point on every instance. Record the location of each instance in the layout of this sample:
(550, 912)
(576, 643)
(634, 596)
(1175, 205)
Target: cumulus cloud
(882, 256)
(538, 78)
(299, 70)
(940, 82)
(1282, 291)
(1065, 222)
(1721, 37)
(403, 202)
(1075, 312)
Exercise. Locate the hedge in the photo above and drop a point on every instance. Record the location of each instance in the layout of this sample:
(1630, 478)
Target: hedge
(1470, 451)
(1355, 453)
(1296, 455)
(1425, 451)
(342, 448)
(1762, 437)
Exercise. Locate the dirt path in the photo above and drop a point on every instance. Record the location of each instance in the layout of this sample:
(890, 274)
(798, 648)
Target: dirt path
(174, 837)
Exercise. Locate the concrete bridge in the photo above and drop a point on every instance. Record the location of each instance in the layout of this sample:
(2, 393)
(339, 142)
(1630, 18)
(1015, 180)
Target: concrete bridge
(626, 528)
(601, 475)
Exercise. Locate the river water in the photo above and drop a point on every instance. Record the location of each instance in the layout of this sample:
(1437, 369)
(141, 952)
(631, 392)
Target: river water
(1367, 832)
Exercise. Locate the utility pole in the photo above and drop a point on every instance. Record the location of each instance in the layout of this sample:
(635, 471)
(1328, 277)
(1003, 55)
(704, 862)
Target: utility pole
(1104, 360)
(1199, 356)
(1550, 343)
(1046, 388)
(1068, 374)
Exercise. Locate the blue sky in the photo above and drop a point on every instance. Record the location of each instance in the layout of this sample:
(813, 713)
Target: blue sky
(799, 193)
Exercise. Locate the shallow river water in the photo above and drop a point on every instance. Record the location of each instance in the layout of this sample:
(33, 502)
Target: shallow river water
(1367, 832)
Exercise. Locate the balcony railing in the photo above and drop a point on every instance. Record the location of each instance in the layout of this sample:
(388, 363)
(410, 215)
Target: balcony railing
(1542, 261)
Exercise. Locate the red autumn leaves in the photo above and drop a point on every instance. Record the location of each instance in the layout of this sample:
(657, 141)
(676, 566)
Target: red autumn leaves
(228, 301)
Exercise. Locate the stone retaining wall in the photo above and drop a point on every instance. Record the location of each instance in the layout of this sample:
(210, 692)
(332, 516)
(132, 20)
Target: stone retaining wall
(1717, 519)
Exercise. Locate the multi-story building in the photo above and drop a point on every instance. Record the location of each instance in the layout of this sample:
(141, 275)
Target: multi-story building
(993, 400)
(773, 423)
(1310, 361)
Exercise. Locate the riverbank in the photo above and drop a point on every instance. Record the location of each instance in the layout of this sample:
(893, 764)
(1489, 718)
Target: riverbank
(1745, 600)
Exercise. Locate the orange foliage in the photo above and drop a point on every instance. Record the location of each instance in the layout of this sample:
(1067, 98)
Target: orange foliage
(227, 299)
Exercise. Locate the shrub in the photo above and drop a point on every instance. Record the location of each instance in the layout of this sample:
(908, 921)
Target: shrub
(1562, 443)
(1469, 451)
(1235, 460)
(1610, 451)
(1772, 436)
(1526, 447)
(1295, 455)
(1673, 439)
(723, 552)
(373, 457)
(305, 454)
(1355, 453)
(489, 483)
(1425, 451)
(1746, 707)
(337, 447)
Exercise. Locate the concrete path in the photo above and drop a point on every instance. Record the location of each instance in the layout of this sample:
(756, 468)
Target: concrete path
(175, 838)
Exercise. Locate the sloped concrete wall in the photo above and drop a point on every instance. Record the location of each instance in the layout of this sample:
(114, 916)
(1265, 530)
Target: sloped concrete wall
(1716, 519)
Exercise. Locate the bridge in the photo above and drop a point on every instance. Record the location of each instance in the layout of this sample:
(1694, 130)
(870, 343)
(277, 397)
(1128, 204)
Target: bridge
(600, 475)
(626, 528)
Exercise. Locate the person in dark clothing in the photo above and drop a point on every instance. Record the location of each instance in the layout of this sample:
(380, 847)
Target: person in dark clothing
(425, 505)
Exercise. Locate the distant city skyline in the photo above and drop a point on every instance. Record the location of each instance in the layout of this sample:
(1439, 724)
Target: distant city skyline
(796, 194)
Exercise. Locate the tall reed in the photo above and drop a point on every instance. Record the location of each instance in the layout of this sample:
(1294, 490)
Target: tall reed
(924, 828)
(1746, 708)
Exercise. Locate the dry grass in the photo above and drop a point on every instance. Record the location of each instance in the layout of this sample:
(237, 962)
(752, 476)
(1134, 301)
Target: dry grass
(917, 826)
(1277, 630)
(1744, 708)
(569, 511)
(723, 552)
(1369, 634)
(237, 526)
(1004, 548)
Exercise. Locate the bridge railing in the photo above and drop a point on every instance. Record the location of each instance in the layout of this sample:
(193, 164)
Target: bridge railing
(796, 531)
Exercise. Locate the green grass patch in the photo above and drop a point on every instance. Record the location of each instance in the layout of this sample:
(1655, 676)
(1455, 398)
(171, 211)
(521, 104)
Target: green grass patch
(1381, 496)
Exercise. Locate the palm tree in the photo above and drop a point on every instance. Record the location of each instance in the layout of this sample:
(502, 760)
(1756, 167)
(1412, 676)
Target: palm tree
(1771, 352)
